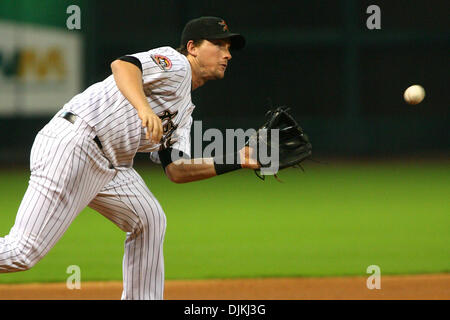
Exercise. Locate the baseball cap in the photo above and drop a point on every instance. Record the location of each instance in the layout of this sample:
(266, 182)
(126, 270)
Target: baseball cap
(210, 28)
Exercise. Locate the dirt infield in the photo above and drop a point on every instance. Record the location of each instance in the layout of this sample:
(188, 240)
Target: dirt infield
(423, 287)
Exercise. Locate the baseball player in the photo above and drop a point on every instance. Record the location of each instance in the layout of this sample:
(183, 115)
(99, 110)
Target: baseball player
(84, 155)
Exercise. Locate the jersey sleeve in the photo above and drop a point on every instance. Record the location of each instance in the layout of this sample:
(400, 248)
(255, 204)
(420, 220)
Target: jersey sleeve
(162, 70)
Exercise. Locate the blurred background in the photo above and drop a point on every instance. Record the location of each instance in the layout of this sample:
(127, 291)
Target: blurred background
(343, 81)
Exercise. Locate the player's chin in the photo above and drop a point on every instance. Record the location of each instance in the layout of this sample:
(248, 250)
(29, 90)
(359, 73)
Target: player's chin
(220, 71)
(216, 75)
(220, 74)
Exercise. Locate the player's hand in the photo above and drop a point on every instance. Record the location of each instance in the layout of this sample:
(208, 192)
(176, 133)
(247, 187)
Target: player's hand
(153, 124)
(248, 158)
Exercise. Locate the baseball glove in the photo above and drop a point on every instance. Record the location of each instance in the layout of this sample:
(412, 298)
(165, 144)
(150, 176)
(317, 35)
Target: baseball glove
(293, 145)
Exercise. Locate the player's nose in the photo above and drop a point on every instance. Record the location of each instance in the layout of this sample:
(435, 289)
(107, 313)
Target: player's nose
(228, 54)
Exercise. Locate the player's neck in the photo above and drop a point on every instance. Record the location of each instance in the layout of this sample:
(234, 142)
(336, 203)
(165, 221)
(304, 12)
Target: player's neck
(197, 79)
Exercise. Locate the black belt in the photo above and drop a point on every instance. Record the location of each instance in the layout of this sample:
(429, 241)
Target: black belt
(69, 116)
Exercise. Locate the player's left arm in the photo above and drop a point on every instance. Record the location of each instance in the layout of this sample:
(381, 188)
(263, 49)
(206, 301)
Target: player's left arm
(188, 170)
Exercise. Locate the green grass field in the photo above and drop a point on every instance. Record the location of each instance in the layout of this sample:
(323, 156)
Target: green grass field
(333, 220)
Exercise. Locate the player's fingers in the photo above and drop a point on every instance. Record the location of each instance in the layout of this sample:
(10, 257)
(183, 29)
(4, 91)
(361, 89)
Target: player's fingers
(161, 130)
(242, 157)
(149, 126)
(144, 122)
(156, 133)
(252, 156)
(248, 158)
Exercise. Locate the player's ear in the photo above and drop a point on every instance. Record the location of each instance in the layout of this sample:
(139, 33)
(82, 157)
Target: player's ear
(191, 48)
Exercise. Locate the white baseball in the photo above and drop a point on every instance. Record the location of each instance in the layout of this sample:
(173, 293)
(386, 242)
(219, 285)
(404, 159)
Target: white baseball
(414, 94)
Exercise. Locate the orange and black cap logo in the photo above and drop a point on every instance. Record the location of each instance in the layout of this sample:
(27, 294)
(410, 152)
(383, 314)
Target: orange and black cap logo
(224, 25)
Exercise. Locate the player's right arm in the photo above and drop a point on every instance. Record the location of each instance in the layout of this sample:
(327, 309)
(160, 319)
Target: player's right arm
(128, 79)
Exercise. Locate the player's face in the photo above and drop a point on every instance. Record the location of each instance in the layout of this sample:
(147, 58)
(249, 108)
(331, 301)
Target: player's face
(213, 57)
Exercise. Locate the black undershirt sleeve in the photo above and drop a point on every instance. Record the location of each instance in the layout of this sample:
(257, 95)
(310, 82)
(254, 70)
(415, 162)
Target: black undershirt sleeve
(222, 167)
(169, 155)
(132, 60)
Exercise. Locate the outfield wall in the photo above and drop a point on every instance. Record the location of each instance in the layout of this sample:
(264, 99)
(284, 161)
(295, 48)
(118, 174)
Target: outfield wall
(343, 81)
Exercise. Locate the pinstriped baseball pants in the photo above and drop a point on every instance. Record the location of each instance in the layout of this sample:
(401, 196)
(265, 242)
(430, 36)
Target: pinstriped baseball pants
(68, 173)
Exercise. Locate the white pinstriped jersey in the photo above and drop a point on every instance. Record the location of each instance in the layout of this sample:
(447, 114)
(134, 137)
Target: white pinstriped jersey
(69, 171)
(167, 84)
